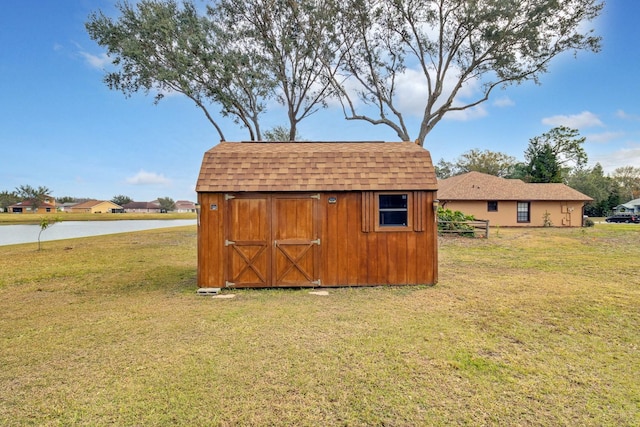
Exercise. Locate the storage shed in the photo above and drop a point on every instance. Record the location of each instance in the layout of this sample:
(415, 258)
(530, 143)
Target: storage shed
(315, 214)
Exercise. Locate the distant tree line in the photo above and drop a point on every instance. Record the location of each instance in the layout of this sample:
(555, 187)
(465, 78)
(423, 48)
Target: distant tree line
(37, 196)
(555, 156)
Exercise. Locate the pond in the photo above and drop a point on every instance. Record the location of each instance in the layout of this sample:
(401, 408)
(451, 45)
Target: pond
(15, 234)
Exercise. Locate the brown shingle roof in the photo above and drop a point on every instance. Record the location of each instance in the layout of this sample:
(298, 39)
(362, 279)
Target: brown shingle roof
(316, 166)
(480, 186)
(141, 205)
(26, 203)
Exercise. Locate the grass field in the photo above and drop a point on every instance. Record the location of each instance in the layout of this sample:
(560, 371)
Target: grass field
(530, 327)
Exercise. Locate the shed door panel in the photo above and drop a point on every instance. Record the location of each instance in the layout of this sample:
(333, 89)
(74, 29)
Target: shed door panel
(295, 241)
(248, 243)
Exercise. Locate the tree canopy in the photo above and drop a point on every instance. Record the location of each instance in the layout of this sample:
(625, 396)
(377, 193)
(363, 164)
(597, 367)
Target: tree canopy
(121, 199)
(485, 161)
(243, 54)
(628, 180)
(167, 204)
(543, 165)
(238, 56)
(551, 156)
(36, 196)
(8, 198)
(280, 133)
(449, 46)
(603, 189)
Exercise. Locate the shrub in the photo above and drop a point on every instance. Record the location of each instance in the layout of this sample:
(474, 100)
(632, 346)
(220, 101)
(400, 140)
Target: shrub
(455, 220)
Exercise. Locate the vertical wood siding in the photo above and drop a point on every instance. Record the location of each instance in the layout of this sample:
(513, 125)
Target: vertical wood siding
(353, 257)
(211, 266)
(351, 252)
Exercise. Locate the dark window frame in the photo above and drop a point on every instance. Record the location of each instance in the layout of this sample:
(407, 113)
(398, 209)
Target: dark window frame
(492, 206)
(523, 212)
(408, 209)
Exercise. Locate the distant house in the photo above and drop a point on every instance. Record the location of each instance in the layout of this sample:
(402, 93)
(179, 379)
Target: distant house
(512, 202)
(185, 206)
(66, 207)
(27, 206)
(95, 206)
(631, 207)
(142, 207)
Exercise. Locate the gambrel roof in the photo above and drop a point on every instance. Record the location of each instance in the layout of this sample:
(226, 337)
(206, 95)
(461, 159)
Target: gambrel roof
(316, 166)
(480, 186)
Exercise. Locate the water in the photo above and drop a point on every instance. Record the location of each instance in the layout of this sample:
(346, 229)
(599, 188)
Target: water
(15, 234)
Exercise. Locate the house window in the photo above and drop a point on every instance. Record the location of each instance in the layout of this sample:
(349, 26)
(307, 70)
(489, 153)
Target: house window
(524, 214)
(492, 206)
(394, 211)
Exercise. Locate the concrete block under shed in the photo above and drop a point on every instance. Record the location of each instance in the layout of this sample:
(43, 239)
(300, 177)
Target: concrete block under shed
(208, 291)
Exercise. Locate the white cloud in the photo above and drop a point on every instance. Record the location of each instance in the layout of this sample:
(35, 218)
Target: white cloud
(504, 101)
(99, 61)
(621, 114)
(148, 178)
(604, 137)
(617, 159)
(412, 92)
(575, 121)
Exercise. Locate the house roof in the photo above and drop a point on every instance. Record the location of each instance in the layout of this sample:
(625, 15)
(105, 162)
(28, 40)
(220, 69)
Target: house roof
(316, 166)
(92, 203)
(480, 186)
(141, 205)
(631, 204)
(26, 203)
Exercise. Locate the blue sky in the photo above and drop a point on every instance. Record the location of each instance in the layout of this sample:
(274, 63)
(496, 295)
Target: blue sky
(62, 128)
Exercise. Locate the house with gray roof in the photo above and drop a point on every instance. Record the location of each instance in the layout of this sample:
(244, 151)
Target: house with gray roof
(631, 207)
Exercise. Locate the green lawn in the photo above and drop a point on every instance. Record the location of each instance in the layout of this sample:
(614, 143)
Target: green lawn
(529, 327)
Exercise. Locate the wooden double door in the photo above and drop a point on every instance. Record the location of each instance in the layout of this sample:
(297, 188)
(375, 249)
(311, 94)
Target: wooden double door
(272, 240)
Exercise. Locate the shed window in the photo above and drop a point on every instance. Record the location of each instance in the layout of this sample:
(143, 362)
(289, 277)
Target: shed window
(492, 206)
(394, 211)
(524, 212)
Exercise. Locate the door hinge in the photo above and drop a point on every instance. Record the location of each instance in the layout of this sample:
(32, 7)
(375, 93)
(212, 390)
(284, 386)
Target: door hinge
(317, 242)
(229, 196)
(315, 196)
(229, 242)
(316, 282)
(227, 284)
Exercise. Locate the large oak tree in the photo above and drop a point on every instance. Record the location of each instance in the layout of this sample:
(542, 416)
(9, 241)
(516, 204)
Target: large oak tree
(242, 54)
(448, 45)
